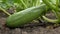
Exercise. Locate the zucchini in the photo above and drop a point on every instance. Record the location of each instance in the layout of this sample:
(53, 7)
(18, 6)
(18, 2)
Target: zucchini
(23, 17)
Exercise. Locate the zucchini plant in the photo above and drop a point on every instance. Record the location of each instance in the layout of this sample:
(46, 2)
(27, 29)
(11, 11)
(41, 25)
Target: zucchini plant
(28, 10)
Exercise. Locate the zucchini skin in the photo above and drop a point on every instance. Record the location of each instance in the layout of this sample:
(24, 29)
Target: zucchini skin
(23, 17)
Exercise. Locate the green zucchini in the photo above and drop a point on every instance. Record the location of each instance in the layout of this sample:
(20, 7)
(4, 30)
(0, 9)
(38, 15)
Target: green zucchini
(20, 18)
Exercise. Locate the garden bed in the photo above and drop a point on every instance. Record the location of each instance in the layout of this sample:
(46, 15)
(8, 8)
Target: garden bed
(42, 25)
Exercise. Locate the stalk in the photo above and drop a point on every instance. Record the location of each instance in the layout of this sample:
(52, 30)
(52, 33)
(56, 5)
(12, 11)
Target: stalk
(23, 3)
(50, 4)
(5, 11)
(57, 3)
(37, 2)
(50, 20)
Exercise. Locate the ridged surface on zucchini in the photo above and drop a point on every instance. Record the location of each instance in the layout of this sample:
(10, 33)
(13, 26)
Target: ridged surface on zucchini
(20, 18)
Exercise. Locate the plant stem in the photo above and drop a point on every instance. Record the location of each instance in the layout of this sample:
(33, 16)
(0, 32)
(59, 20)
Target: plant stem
(50, 20)
(37, 2)
(58, 15)
(50, 4)
(23, 3)
(5, 11)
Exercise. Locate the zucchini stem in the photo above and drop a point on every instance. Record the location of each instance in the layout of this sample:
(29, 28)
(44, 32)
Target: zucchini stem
(48, 3)
(50, 20)
(23, 3)
(5, 11)
(57, 2)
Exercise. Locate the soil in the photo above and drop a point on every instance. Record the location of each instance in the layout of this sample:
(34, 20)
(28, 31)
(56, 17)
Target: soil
(35, 27)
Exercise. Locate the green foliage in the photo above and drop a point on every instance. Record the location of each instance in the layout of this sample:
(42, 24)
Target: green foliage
(19, 4)
(55, 7)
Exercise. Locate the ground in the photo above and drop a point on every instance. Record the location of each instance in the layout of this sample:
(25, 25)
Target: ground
(37, 27)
